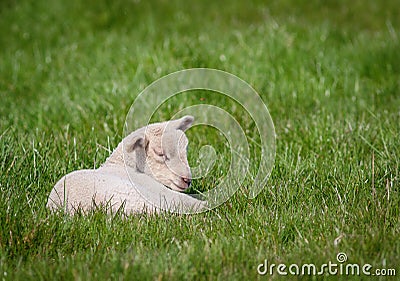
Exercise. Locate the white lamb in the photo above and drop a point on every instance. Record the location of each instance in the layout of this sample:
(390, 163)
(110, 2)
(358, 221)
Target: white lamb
(135, 176)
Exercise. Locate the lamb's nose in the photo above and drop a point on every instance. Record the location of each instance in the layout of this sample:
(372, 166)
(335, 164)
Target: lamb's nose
(188, 181)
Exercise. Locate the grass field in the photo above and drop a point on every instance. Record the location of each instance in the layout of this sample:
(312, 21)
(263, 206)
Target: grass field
(328, 71)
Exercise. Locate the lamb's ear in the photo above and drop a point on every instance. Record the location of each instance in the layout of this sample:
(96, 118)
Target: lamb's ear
(183, 123)
(134, 141)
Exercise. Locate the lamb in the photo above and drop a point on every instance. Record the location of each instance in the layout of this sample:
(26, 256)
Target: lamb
(146, 173)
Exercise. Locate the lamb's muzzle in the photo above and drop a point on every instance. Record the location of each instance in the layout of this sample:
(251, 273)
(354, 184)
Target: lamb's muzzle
(188, 181)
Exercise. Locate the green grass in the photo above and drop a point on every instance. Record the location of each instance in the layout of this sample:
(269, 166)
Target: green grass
(328, 71)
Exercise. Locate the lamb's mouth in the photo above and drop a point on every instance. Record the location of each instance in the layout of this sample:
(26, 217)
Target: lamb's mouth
(177, 186)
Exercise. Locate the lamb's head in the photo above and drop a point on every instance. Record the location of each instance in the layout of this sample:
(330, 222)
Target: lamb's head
(160, 151)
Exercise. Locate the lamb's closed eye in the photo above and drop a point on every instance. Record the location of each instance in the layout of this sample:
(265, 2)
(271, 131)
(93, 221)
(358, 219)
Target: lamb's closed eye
(158, 152)
(161, 154)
